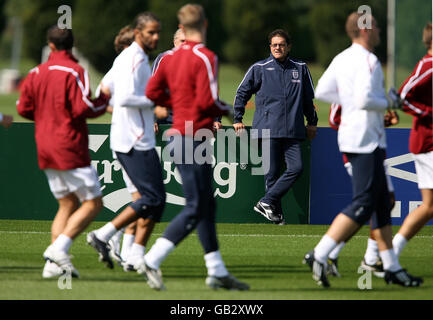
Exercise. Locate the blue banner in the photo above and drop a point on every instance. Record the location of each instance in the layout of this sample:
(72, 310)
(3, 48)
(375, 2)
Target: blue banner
(331, 189)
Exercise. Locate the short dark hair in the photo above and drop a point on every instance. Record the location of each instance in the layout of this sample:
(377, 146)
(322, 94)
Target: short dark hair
(427, 35)
(144, 18)
(280, 33)
(63, 39)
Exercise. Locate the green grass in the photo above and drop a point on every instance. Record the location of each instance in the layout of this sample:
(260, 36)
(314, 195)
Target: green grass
(266, 256)
(229, 80)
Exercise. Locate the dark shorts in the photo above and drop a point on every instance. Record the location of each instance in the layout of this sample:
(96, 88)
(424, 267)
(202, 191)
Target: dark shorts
(144, 170)
(371, 198)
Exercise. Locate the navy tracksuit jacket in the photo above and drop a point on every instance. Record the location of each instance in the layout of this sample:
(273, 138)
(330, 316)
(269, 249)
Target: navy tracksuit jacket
(284, 94)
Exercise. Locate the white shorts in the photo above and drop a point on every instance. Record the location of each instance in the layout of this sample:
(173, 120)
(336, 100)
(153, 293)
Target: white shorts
(129, 185)
(83, 182)
(424, 169)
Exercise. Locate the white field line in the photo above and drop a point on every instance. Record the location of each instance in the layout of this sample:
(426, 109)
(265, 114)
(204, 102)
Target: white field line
(224, 235)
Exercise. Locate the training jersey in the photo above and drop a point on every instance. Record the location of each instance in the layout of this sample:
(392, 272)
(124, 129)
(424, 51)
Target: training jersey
(132, 119)
(416, 93)
(56, 96)
(354, 79)
(186, 80)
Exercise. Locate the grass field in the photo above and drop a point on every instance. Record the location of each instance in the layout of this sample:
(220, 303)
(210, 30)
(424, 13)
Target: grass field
(266, 256)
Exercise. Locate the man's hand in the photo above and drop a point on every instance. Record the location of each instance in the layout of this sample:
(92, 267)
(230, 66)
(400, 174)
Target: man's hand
(391, 118)
(217, 125)
(394, 100)
(110, 109)
(7, 121)
(311, 132)
(239, 128)
(161, 112)
(155, 128)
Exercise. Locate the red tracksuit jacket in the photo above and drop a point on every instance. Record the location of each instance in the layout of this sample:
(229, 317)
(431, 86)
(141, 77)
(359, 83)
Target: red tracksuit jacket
(417, 92)
(56, 96)
(189, 72)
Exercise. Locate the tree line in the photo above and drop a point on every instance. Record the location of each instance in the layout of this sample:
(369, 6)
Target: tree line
(237, 31)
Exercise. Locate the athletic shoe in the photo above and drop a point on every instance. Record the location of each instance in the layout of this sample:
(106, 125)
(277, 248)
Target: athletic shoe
(268, 212)
(51, 270)
(154, 276)
(319, 269)
(403, 278)
(333, 268)
(376, 269)
(228, 282)
(102, 248)
(281, 223)
(128, 267)
(62, 260)
(115, 253)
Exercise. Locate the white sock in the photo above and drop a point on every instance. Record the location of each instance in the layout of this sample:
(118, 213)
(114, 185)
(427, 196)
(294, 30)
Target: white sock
(390, 260)
(136, 251)
(106, 232)
(372, 253)
(334, 253)
(128, 240)
(62, 243)
(323, 248)
(398, 243)
(215, 264)
(159, 251)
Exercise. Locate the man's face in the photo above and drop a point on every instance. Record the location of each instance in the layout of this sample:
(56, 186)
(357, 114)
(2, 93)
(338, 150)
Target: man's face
(180, 38)
(279, 48)
(374, 34)
(148, 37)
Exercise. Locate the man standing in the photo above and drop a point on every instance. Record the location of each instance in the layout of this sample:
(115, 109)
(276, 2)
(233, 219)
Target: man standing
(355, 80)
(133, 139)
(186, 81)
(56, 96)
(284, 94)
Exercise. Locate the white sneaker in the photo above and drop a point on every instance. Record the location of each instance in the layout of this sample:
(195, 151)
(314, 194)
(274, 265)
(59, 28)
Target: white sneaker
(51, 270)
(62, 259)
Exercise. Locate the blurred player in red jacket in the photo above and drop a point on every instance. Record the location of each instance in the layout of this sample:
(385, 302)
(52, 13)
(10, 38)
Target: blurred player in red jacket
(416, 94)
(189, 74)
(56, 96)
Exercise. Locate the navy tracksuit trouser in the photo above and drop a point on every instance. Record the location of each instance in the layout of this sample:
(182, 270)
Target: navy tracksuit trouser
(276, 185)
(200, 209)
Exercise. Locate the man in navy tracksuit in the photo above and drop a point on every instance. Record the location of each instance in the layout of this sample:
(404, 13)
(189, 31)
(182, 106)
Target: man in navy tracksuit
(284, 95)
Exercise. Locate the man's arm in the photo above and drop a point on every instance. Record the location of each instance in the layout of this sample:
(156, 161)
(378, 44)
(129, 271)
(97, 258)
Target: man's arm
(309, 108)
(367, 95)
(250, 85)
(419, 82)
(82, 105)
(25, 104)
(326, 89)
(157, 87)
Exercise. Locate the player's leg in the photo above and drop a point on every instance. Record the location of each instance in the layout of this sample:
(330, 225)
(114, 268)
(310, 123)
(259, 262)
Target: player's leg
(414, 222)
(272, 161)
(128, 233)
(84, 183)
(291, 149)
(67, 205)
(350, 220)
(137, 250)
(421, 215)
(144, 169)
(382, 230)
